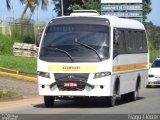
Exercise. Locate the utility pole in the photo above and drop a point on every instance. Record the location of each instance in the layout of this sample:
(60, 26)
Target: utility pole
(62, 8)
(12, 10)
(37, 15)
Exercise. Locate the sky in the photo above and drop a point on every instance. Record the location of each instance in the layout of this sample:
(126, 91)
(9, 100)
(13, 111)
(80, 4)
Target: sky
(17, 8)
(154, 16)
(46, 15)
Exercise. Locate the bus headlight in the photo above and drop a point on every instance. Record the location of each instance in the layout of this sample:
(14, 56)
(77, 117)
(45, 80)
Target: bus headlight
(44, 74)
(101, 74)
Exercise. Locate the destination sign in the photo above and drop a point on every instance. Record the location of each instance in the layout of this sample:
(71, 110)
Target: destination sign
(121, 1)
(121, 7)
(124, 14)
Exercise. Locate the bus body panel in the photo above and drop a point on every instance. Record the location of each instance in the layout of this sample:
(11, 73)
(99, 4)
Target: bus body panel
(97, 91)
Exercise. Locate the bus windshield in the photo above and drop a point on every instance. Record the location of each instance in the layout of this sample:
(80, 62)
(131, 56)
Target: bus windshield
(75, 43)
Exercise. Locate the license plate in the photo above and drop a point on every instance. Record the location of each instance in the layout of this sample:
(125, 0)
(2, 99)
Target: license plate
(70, 84)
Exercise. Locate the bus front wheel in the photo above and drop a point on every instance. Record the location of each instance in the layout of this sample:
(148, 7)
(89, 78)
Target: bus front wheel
(111, 101)
(49, 101)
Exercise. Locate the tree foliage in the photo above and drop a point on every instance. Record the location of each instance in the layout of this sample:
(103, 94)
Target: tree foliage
(70, 5)
(89, 5)
(153, 33)
(29, 4)
(146, 8)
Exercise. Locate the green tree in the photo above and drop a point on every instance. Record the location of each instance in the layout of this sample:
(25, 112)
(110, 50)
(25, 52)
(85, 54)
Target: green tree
(89, 5)
(67, 6)
(70, 5)
(29, 4)
(153, 33)
(146, 8)
(8, 4)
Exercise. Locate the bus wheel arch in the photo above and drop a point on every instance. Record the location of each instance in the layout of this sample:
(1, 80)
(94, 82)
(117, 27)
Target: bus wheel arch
(138, 82)
(137, 87)
(117, 85)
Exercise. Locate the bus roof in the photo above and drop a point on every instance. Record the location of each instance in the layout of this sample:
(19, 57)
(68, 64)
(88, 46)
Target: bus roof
(124, 22)
(84, 13)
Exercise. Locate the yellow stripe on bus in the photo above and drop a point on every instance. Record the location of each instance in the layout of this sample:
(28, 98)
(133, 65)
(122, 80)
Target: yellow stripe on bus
(128, 67)
(63, 68)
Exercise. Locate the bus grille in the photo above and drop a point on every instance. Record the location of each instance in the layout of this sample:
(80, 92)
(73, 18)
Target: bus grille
(79, 78)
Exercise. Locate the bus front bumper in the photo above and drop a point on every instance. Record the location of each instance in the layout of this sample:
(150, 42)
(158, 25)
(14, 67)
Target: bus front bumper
(96, 90)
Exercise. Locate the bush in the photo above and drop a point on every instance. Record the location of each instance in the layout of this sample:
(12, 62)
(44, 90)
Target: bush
(6, 43)
(27, 39)
(23, 31)
(153, 54)
(7, 94)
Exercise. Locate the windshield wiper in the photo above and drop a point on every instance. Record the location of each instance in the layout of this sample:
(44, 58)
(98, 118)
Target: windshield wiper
(63, 51)
(86, 46)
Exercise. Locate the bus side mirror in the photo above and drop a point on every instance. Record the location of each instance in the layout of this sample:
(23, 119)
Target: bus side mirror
(37, 43)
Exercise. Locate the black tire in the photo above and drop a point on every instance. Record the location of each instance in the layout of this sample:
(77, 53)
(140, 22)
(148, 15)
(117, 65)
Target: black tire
(125, 97)
(148, 86)
(49, 101)
(82, 100)
(133, 96)
(111, 101)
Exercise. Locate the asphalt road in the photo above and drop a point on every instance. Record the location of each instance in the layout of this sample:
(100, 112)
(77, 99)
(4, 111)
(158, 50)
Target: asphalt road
(148, 103)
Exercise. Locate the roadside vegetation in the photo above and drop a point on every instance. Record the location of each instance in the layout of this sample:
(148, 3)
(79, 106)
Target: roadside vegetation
(153, 33)
(8, 60)
(6, 43)
(22, 64)
(6, 94)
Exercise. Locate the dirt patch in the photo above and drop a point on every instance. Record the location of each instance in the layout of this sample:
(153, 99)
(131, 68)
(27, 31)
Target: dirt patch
(20, 87)
(16, 97)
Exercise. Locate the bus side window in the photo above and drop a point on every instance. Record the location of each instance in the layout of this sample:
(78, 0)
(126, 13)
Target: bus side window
(130, 42)
(122, 43)
(140, 38)
(145, 48)
(116, 42)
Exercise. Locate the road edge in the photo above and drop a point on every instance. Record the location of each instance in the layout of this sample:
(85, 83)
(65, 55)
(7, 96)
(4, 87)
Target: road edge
(16, 74)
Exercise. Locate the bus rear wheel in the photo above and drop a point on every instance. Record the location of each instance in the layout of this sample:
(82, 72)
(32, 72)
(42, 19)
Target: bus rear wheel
(49, 101)
(133, 96)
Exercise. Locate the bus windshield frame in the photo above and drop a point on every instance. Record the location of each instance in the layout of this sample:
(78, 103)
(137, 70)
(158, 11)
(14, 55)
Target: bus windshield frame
(59, 43)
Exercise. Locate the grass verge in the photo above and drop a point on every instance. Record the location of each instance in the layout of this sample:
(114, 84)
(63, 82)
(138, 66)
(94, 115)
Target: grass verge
(7, 94)
(22, 64)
